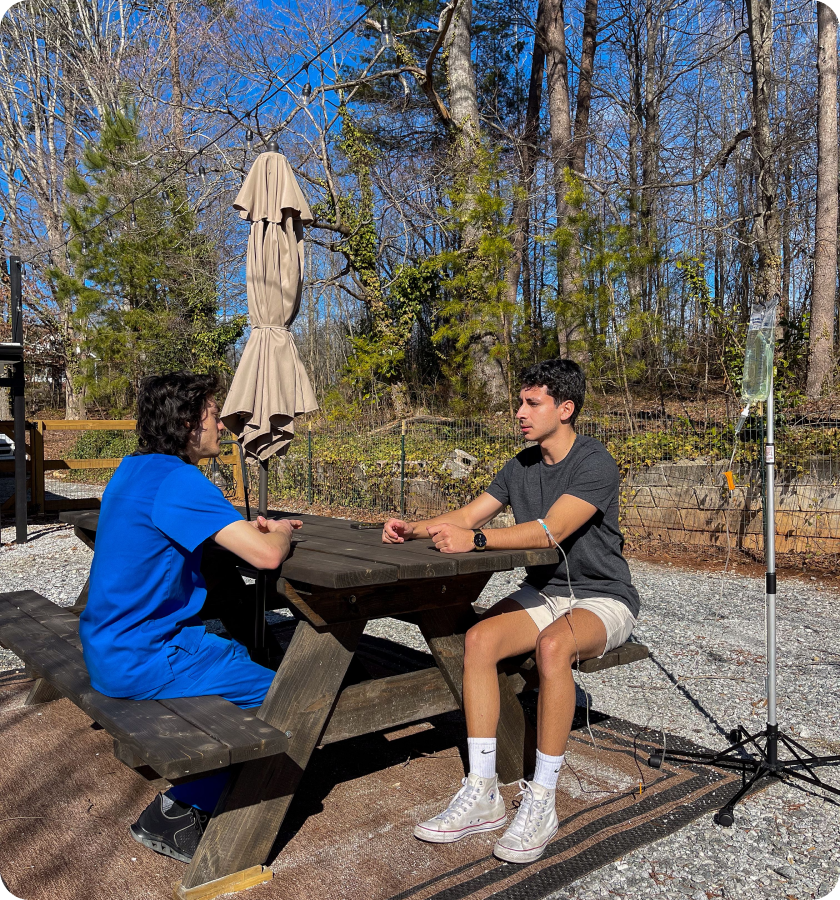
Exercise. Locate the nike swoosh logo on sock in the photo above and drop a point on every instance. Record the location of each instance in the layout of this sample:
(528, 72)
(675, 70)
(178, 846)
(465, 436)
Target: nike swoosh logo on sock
(491, 751)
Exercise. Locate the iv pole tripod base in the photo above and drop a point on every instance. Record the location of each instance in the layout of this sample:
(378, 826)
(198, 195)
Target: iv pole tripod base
(762, 762)
(756, 756)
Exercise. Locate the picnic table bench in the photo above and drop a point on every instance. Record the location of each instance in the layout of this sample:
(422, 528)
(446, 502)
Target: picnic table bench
(176, 738)
(334, 581)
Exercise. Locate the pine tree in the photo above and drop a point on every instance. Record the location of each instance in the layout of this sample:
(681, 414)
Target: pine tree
(141, 282)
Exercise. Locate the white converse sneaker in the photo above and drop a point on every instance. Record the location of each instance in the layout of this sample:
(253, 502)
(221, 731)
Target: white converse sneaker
(478, 806)
(534, 826)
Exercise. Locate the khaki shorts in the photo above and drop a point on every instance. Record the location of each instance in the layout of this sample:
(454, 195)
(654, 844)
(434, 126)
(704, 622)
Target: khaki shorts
(617, 618)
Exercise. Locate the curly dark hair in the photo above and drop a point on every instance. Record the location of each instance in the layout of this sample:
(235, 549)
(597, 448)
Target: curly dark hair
(562, 379)
(169, 407)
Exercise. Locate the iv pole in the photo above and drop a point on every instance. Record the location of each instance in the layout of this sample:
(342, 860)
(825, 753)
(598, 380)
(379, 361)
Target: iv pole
(757, 756)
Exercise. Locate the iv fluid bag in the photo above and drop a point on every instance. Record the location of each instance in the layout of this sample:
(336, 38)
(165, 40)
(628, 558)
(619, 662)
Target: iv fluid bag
(758, 361)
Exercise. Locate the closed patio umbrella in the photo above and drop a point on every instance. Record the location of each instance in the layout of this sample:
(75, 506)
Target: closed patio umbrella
(271, 386)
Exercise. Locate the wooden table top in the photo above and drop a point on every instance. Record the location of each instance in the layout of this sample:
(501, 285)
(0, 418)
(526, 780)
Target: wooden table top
(331, 553)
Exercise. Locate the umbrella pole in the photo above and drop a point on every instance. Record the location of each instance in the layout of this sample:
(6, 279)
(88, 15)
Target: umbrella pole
(263, 487)
(262, 580)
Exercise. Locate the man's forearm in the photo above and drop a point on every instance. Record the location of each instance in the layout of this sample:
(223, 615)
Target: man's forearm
(531, 535)
(279, 541)
(460, 517)
(527, 536)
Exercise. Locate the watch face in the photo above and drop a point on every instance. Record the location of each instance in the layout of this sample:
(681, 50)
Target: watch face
(480, 540)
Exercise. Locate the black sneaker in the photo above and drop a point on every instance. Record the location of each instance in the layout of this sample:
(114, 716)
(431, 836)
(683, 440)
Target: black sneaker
(174, 833)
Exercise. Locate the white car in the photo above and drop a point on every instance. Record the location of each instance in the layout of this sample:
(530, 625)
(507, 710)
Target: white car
(7, 447)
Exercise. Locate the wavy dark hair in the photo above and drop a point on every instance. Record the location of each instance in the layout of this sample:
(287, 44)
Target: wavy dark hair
(563, 379)
(169, 407)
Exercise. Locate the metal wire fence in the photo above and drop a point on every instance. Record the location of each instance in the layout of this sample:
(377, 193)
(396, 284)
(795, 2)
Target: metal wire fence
(673, 483)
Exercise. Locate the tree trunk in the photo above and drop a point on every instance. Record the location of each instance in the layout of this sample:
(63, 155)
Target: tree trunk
(463, 107)
(75, 407)
(584, 92)
(520, 212)
(650, 154)
(175, 75)
(766, 228)
(635, 117)
(559, 104)
(560, 142)
(824, 295)
(568, 152)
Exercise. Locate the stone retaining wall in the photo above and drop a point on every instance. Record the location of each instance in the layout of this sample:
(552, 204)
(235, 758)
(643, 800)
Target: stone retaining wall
(687, 502)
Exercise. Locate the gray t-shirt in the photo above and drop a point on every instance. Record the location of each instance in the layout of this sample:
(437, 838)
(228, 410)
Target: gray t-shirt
(597, 567)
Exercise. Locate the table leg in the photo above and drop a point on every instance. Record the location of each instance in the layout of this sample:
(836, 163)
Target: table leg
(41, 692)
(444, 631)
(236, 605)
(81, 601)
(299, 702)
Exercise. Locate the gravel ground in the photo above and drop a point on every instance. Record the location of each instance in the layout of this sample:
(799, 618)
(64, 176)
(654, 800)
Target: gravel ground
(705, 675)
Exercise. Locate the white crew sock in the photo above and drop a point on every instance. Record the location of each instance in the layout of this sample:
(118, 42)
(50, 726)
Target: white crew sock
(482, 756)
(548, 768)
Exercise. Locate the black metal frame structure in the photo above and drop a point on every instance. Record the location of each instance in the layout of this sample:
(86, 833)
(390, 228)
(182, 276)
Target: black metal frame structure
(757, 756)
(11, 355)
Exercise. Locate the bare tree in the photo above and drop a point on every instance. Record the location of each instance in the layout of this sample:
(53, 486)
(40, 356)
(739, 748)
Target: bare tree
(568, 149)
(766, 226)
(59, 71)
(824, 295)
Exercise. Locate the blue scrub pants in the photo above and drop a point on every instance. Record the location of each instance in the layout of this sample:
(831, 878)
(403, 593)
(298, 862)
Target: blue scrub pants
(215, 666)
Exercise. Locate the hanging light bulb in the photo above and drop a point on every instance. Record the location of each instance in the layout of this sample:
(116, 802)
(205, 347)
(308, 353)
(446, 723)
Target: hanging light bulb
(306, 93)
(386, 38)
(249, 138)
(133, 216)
(84, 247)
(216, 474)
(202, 173)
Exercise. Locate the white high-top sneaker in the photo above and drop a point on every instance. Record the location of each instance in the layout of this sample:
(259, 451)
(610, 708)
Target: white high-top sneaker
(534, 826)
(478, 806)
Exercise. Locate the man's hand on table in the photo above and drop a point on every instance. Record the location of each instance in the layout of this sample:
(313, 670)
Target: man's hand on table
(451, 538)
(396, 531)
(273, 526)
(264, 543)
(448, 538)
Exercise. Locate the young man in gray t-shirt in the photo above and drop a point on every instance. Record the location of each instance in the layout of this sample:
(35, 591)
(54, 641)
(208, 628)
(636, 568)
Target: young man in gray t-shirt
(564, 494)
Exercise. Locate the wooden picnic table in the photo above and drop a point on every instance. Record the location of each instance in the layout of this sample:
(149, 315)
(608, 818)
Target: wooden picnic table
(335, 580)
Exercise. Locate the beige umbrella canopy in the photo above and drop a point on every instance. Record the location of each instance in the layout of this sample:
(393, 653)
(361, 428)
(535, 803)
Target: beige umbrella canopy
(271, 386)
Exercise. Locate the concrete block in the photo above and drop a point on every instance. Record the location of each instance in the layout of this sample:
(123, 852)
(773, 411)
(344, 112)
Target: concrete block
(649, 477)
(639, 496)
(459, 463)
(707, 521)
(823, 468)
(672, 495)
(630, 516)
(709, 497)
(503, 520)
(660, 516)
(688, 471)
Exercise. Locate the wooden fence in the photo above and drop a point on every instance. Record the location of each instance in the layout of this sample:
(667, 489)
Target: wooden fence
(37, 466)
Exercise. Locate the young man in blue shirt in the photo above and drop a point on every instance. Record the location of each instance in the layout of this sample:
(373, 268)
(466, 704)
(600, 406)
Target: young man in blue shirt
(141, 632)
(564, 494)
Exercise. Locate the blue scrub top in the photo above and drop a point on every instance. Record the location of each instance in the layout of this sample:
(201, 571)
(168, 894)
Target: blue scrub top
(146, 587)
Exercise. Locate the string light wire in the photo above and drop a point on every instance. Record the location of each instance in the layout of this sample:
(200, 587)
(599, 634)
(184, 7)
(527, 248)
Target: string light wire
(183, 166)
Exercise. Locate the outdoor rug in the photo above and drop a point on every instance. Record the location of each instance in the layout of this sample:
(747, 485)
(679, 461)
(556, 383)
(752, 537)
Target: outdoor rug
(66, 804)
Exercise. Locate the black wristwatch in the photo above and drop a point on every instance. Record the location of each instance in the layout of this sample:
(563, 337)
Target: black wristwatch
(479, 539)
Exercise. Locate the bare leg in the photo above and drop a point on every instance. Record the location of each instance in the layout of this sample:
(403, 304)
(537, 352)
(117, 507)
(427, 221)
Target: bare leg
(558, 646)
(507, 630)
